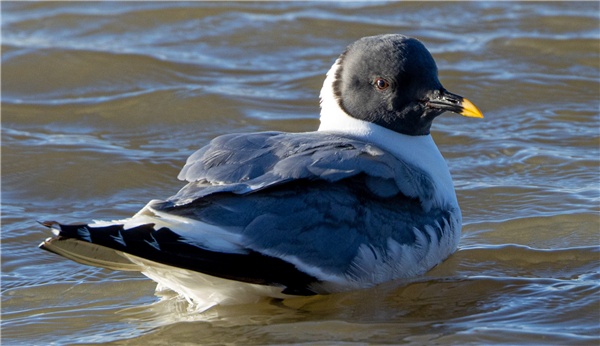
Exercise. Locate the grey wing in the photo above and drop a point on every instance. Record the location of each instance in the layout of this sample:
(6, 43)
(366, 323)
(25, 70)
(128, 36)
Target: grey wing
(297, 211)
(244, 163)
(316, 224)
(311, 198)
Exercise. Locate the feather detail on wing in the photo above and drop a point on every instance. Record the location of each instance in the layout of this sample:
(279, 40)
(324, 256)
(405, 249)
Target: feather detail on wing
(244, 163)
(110, 247)
(254, 205)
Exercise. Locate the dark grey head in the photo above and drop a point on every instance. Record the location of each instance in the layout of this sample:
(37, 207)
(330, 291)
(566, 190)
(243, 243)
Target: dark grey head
(391, 81)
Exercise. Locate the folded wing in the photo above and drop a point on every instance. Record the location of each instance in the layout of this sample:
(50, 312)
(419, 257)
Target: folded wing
(290, 210)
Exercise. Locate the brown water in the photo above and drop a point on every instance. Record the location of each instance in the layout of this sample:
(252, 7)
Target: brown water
(103, 102)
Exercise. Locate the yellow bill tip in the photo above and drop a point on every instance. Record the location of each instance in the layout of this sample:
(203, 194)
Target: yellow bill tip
(470, 110)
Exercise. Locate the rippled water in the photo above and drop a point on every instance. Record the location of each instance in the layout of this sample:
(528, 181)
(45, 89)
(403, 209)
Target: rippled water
(103, 102)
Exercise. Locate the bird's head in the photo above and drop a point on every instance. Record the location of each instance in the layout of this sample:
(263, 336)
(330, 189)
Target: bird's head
(391, 81)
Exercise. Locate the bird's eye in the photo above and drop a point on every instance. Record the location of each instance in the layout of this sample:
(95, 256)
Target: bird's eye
(381, 84)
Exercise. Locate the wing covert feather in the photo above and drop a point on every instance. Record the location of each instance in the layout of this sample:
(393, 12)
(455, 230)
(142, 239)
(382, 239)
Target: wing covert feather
(244, 163)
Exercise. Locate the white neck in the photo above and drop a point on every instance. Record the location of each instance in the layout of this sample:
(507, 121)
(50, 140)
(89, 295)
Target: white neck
(419, 151)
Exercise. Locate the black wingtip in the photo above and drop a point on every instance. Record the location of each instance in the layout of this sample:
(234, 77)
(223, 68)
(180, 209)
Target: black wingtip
(48, 224)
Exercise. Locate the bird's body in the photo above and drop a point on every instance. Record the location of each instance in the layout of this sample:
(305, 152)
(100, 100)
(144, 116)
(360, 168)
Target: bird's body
(363, 200)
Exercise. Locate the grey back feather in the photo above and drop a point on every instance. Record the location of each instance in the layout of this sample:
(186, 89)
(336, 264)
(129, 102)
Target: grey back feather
(244, 163)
